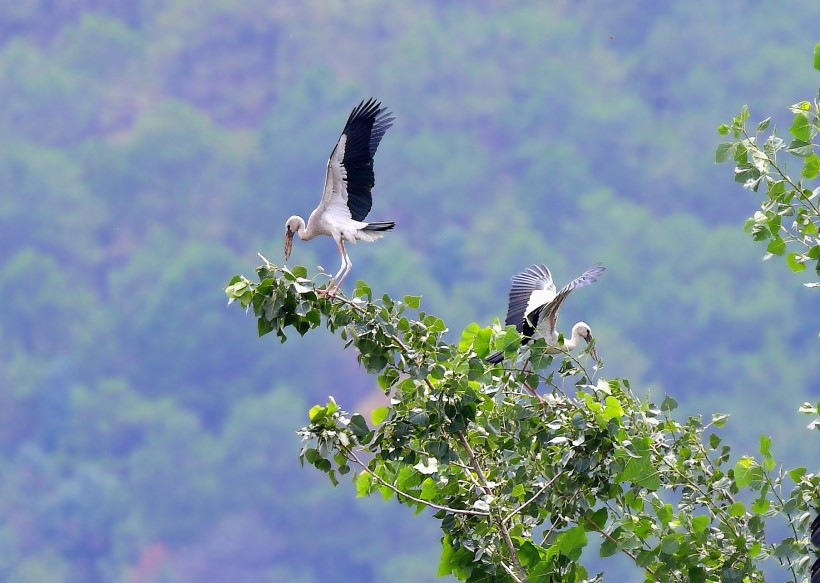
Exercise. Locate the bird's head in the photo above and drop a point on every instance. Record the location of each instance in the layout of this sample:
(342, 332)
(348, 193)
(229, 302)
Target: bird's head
(583, 330)
(293, 226)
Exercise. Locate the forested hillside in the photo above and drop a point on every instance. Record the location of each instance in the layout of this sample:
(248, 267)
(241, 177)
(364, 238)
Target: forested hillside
(149, 150)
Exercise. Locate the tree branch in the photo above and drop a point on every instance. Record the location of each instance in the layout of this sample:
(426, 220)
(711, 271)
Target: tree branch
(505, 534)
(629, 554)
(352, 457)
(533, 497)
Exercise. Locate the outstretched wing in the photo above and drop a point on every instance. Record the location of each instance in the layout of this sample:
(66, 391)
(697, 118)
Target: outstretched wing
(530, 288)
(350, 179)
(550, 309)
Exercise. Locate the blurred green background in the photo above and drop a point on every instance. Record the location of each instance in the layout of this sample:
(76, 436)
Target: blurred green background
(149, 149)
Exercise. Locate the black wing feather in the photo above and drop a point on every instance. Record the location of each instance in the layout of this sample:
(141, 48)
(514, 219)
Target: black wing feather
(364, 130)
(533, 278)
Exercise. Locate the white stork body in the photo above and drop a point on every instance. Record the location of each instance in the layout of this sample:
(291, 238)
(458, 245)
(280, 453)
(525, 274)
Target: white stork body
(534, 304)
(346, 199)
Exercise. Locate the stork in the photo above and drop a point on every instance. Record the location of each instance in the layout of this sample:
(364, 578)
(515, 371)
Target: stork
(534, 304)
(346, 199)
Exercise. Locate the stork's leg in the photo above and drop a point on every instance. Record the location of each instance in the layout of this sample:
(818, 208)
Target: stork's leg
(334, 284)
(348, 265)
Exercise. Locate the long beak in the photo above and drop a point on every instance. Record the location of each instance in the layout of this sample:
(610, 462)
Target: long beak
(288, 243)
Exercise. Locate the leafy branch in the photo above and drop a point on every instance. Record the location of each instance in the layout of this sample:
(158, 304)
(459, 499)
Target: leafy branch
(789, 215)
(497, 468)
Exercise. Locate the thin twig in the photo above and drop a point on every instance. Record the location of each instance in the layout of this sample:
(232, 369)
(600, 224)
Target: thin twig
(625, 551)
(387, 484)
(533, 497)
(505, 534)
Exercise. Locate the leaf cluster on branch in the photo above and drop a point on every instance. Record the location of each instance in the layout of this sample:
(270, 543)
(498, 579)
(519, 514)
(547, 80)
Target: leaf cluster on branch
(520, 487)
(789, 215)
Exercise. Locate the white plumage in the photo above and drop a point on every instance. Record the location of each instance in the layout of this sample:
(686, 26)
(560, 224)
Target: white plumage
(534, 304)
(346, 198)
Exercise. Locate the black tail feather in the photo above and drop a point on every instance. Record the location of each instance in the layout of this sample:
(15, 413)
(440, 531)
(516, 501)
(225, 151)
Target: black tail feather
(495, 357)
(380, 226)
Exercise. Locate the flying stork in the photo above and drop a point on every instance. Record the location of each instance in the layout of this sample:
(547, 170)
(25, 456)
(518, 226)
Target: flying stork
(346, 198)
(534, 304)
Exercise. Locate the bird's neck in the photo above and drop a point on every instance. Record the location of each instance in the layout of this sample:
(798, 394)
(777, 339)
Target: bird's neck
(304, 232)
(572, 343)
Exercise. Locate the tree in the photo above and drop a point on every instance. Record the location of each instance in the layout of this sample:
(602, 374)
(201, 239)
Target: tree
(519, 486)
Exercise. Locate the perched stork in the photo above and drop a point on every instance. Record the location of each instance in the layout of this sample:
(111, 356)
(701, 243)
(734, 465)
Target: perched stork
(534, 304)
(347, 199)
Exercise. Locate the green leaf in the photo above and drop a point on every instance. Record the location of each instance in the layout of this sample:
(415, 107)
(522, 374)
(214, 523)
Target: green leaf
(800, 148)
(669, 404)
(608, 548)
(599, 517)
(418, 417)
(765, 445)
(795, 265)
(724, 151)
(412, 301)
(817, 56)
(388, 378)
(797, 473)
(358, 426)
(744, 471)
(777, 246)
(263, 327)
(467, 337)
(699, 523)
(723, 129)
(719, 419)
(801, 127)
(363, 482)
(765, 450)
(737, 509)
(362, 290)
(482, 342)
(379, 414)
(429, 490)
(640, 470)
(612, 408)
(315, 412)
(571, 542)
(444, 565)
(764, 125)
(670, 545)
(665, 514)
(697, 575)
(811, 167)
(760, 505)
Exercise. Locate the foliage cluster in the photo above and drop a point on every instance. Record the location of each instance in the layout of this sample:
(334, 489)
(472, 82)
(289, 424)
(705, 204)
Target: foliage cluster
(758, 160)
(518, 484)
